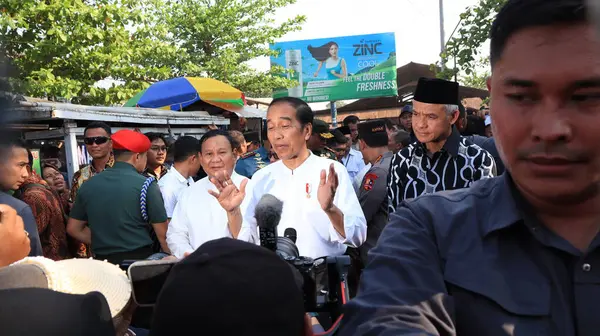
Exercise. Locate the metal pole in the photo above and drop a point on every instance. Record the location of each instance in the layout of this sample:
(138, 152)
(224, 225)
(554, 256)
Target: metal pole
(71, 149)
(455, 72)
(442, 33)
(333, 114)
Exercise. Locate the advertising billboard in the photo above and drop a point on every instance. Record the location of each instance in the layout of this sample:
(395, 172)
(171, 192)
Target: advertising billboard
(338, 68)
(37, 166)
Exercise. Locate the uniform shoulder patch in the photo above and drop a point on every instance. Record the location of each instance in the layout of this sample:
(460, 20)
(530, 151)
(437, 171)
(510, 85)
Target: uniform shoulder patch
(369, 181)
(247, 155)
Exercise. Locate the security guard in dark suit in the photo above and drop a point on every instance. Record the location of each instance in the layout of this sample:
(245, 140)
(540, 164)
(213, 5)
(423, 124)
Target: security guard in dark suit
(108, 211)
(254, 159)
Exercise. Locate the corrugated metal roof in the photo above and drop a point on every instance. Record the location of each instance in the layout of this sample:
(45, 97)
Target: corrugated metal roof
(34, 111)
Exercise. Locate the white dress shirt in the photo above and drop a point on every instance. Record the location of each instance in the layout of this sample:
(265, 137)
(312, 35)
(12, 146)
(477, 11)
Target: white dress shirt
(316, 236)
(353, 162)
(198, 218)
(171, 185)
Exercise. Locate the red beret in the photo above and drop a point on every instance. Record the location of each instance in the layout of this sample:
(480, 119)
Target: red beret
(131, 141)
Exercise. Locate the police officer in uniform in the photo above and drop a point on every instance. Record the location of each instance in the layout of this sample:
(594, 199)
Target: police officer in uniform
(254, 159)
(372, 195)
(107, 212)
(320, 136)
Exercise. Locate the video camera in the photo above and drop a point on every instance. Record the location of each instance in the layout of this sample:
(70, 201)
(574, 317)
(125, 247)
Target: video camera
(324, 281)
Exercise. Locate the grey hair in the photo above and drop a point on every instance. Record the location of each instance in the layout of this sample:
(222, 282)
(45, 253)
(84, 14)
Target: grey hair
(451, 109)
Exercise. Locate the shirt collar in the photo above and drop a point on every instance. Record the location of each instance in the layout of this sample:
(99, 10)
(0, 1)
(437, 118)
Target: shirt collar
(451, 145)
(505, 211)
(150, 173)
(387, 155)
(109, 163)
(178, 175)
(124, 166)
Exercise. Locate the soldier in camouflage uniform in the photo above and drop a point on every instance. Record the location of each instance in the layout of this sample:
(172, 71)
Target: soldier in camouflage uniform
(320, 135)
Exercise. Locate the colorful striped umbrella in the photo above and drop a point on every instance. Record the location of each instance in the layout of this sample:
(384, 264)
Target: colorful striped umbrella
(177, 93)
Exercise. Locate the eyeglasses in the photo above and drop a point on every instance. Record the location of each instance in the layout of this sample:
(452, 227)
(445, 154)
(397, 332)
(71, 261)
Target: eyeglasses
(95, 140)
(159, 148)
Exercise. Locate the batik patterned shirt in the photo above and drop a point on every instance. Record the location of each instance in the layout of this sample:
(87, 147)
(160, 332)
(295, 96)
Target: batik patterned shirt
(457, 165)
(49, 215)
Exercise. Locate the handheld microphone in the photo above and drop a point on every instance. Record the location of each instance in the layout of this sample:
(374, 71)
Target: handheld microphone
(290, 233)
(268, 214)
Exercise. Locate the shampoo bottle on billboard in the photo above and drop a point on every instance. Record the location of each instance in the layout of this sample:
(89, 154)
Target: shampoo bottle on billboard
(293, 60)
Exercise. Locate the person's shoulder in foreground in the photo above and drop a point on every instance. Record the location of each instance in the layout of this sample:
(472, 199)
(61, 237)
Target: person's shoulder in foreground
(13, 202)
(25, 212)
(426, 240)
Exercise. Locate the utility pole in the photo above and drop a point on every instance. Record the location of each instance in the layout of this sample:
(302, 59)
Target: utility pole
(442, 33)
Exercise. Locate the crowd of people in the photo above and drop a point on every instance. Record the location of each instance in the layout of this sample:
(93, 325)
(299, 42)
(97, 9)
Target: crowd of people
(457, 221)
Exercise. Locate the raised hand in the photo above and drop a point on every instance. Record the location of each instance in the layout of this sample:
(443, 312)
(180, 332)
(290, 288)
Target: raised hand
(327, 188)
(228, 195)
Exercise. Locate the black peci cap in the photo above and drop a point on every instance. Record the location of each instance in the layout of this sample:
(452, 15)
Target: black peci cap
(436, 91)
(373, 132)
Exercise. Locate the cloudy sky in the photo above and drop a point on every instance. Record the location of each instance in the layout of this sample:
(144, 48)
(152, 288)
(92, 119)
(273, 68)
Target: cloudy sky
(415, 23)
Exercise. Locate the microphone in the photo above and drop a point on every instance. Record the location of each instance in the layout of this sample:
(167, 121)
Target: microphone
(290, 233)
(268, 214)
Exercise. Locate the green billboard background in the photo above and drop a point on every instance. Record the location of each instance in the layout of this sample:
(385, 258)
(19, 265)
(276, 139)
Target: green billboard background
(339, 68)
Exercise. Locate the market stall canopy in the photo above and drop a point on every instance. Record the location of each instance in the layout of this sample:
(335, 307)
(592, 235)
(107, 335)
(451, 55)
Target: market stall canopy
(36, 110)
(183, 93)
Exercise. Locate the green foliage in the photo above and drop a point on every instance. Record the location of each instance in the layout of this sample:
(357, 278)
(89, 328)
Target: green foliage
(464, 48)
(478, 79)
(222, 35)
(62, 48)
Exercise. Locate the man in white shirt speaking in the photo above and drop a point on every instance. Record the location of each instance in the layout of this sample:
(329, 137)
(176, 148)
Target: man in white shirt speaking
(186, 164)
(319, 201)
(204, 211)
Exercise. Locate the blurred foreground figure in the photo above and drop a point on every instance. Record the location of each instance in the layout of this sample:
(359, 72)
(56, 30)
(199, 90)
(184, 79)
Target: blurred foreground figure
(231, 287)
(13, 173)
(75, 297)
(518, 254)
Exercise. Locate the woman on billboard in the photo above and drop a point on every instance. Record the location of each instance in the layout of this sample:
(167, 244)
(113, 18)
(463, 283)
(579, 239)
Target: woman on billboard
(328, 54)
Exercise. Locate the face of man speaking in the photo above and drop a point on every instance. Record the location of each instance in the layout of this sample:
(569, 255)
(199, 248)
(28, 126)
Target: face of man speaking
(545, 103)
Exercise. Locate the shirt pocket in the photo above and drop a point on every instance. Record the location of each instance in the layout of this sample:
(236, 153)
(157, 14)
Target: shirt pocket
(491, 301)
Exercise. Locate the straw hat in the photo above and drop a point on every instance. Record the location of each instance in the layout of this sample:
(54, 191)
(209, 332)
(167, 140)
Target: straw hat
(72, 276)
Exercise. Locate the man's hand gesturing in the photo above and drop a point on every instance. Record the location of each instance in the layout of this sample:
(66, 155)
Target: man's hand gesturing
(228, 195)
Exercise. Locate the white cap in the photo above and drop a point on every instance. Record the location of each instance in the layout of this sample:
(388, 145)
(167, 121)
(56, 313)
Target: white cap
(81, 276)
(488, 121)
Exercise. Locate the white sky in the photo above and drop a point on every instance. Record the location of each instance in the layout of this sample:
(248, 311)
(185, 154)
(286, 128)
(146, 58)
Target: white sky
(415, 23)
